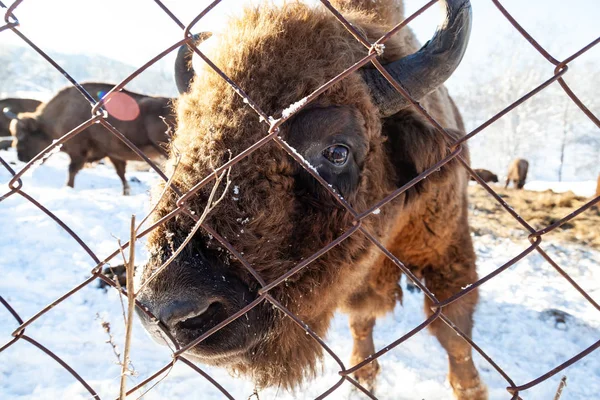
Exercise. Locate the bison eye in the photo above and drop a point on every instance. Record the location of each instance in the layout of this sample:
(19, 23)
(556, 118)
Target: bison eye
(336, 154)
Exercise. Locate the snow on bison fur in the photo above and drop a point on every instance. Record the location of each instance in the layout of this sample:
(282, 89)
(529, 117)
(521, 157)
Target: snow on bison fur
(144, 120)
(365, 141)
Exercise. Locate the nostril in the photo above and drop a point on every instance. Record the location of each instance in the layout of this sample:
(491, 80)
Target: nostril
(181, 310)
(209, 317)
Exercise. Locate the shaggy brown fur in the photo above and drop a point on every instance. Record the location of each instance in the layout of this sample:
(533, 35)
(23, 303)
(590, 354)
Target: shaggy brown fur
(517, 173)
(598, 186)
(15, 106)
(275, 219)
(486, 175)
(68, 109)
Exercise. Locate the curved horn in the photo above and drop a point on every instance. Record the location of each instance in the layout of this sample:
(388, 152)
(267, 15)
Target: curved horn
(9, 113)
(184, 71)
(424, 71)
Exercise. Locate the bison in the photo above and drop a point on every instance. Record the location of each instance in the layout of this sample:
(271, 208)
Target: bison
(12, 105)
(487, 176)
(144, 120)
(517, 173)
(365, 141)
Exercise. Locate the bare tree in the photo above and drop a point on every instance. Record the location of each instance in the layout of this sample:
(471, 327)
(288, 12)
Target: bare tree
(549, 129)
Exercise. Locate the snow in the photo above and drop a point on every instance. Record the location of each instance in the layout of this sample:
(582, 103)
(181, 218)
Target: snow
(379, 49)
(25, 94)
(304, 160)
(40, 262)
(293, 108)
(581, 188)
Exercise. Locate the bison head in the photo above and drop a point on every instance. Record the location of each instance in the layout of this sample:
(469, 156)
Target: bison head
(275, 214)
(30, 139)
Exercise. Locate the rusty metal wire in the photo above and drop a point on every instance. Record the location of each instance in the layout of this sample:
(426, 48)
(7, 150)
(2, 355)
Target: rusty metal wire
(98, 115)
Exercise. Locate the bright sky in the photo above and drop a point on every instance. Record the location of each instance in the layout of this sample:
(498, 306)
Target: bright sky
(133, 31)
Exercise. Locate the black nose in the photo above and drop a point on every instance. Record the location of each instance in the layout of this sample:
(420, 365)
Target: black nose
(191, 313)
(177, 311)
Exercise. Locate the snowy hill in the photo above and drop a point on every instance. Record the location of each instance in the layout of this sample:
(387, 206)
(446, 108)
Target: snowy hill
(26, 72)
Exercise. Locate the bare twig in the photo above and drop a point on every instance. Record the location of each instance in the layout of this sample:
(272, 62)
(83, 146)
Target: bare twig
(129, 266)
(158, 381)
(106, 327)
(561, 386)
(210, 205)
(164, 191)
(117, 280)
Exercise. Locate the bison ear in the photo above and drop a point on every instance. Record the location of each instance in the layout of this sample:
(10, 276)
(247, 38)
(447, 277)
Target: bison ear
(30, 124)
(415, 146)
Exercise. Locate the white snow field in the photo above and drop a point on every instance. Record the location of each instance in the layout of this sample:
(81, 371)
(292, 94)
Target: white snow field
(39, 262)
(580, 188)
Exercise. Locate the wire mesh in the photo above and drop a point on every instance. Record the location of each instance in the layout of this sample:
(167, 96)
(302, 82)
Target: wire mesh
(272, 124)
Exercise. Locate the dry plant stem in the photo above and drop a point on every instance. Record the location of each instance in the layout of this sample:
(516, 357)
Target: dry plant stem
(130, 307)
(106, 327)
(254, 394)
(561, 386)
(162, 195)
(158, 381)
(117, 281)
(210, 204)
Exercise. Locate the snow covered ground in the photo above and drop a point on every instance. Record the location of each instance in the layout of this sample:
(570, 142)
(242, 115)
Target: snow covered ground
(39, 262)
(581, 188)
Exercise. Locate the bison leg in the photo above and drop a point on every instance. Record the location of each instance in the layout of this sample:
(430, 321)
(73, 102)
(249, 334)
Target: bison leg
(463, 375)
(120, 166)
(74, 167)
(376, 298)
(361, 328)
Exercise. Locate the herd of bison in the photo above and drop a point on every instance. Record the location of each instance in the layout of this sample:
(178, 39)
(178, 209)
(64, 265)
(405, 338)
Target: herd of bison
(362, 139)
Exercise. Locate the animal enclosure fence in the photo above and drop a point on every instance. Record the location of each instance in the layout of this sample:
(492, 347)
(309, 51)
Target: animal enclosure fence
(272, 124)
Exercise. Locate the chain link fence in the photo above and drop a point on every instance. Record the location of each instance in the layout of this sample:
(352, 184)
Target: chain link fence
(98, 116)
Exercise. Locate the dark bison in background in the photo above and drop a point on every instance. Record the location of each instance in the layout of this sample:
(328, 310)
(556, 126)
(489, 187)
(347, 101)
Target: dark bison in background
(14, 106)
(486, 175)
(517, 173)
(144, 120)
(366, 141)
